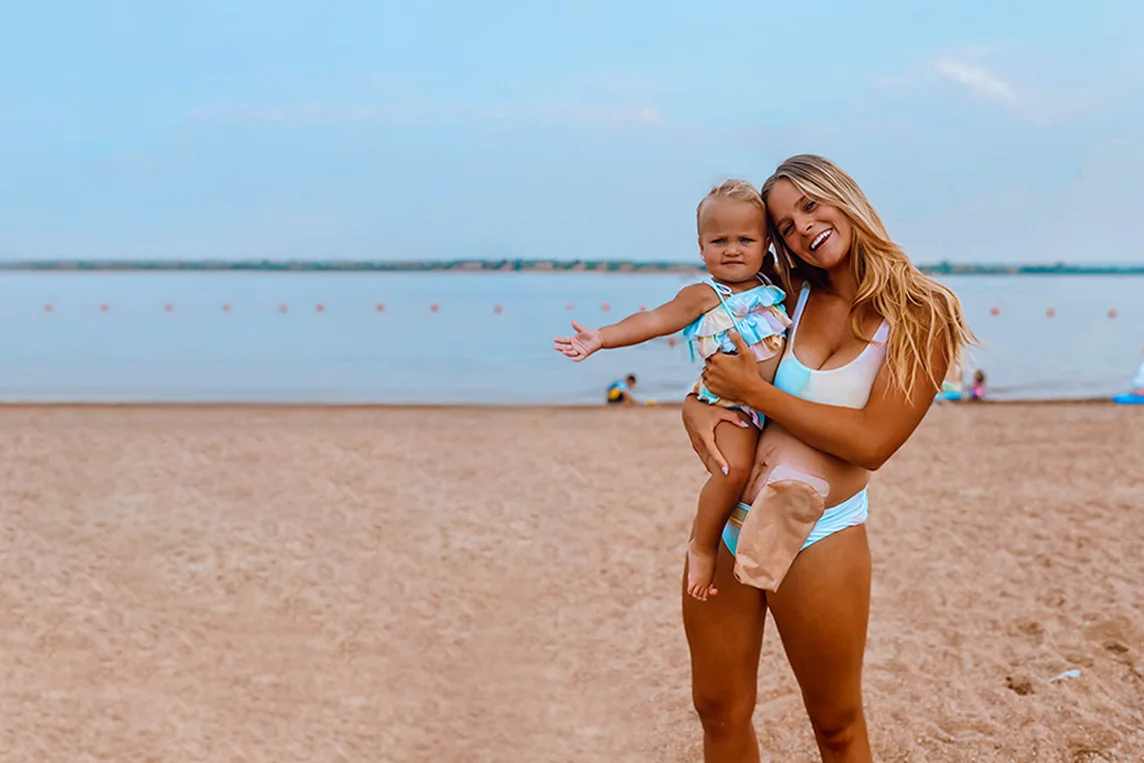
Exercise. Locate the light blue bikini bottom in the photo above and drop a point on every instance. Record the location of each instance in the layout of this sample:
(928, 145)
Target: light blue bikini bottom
(850, 513)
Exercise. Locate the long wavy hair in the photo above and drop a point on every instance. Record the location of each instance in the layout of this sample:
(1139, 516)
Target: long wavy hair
(925, 317)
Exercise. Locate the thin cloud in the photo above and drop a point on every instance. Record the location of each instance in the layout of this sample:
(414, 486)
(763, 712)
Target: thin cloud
(977, 79)
(424, 111)
(1034, 88)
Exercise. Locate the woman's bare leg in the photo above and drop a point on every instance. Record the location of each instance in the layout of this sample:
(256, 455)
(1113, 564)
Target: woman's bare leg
(725, 635)
(821, 609)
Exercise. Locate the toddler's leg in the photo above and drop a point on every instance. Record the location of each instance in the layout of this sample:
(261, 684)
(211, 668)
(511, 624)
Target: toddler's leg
(716, 502)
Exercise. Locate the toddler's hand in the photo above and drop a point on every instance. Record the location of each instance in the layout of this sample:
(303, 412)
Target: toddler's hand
(580, 346)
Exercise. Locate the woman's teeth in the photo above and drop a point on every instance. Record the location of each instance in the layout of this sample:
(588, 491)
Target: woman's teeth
(820, 238)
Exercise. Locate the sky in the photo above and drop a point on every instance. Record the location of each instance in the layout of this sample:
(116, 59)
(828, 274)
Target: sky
(246, 129)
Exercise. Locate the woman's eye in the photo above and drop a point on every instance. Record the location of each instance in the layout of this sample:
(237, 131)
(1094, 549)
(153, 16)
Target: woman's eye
(810, 205)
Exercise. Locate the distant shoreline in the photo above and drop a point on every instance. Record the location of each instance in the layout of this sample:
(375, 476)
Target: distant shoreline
(512, 266)
(491, 408)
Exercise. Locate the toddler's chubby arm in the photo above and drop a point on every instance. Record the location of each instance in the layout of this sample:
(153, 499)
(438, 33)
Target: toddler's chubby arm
(691, 302)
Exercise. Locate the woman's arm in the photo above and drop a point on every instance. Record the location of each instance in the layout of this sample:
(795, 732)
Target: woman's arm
(866, 437)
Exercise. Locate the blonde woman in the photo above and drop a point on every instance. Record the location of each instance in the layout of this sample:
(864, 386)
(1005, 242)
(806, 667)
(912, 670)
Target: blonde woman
(870, 343)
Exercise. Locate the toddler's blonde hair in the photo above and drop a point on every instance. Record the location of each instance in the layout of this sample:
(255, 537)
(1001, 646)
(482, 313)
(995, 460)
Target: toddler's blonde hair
(731, 190)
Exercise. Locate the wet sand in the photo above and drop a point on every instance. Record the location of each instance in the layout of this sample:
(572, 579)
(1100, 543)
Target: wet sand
(503, 585)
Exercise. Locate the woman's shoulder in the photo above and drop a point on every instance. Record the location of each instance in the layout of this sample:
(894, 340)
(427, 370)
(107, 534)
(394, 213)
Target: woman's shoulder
(797, 287)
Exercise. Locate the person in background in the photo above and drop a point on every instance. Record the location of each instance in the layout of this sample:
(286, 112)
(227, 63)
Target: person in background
(620, 391)
(1138, 380)
(953, 386)
(977, 390)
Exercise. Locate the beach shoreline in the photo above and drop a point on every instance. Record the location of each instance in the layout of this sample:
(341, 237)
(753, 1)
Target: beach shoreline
(579, 407)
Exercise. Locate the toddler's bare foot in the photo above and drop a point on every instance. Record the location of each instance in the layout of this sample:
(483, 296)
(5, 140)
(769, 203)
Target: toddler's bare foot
(700, 571)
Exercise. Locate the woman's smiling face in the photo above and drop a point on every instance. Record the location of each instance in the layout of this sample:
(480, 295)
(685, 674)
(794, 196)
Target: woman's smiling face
(817, 233)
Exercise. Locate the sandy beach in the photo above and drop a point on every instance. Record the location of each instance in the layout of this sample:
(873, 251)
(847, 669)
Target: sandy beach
(463, 584)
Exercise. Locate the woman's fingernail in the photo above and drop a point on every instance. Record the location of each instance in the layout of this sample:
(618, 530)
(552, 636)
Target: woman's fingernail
(724, 470)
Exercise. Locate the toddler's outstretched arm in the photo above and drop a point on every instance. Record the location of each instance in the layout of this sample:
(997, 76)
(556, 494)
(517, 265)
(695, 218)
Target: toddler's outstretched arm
(691, 302)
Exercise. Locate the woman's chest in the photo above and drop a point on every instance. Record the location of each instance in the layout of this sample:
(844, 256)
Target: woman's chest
(824, 339)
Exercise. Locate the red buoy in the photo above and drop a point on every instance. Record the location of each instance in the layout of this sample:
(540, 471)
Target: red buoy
(320, 308)
(170, 308)
(498, 309)
(226, 307)
(434, 307)
(1113, 313)
(380, 308)
(605, 307)
(283, 308)
(570, 306)
(994, 311)
(1050, 312)
(104, 308)
(47, 308)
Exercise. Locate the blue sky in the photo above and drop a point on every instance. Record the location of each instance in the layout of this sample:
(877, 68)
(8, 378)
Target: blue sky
(982, 131)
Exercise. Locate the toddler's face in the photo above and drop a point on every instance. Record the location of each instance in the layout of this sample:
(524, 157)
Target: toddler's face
(732, 239)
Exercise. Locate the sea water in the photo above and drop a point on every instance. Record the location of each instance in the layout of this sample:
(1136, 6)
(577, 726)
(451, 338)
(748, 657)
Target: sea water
(377, 337)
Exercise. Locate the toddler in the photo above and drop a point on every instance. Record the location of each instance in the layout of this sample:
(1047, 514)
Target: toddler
(732, 224)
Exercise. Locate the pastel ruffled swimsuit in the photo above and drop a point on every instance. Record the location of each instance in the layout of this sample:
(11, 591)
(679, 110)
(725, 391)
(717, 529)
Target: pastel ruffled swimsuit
(759, 317)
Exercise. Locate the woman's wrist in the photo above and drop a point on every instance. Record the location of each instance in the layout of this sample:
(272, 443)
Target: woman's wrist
(760, 396)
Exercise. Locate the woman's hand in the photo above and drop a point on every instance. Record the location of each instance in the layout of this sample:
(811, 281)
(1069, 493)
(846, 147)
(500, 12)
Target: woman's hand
(700, 420)
(732, 377)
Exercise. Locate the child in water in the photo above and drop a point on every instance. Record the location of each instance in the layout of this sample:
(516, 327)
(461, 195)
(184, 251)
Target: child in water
(732, 225)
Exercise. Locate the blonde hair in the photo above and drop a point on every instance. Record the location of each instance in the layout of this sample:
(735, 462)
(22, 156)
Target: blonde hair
(731, 190)
(925, 317)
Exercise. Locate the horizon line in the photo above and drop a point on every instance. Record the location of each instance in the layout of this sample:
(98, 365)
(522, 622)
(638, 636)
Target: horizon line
(520, 265)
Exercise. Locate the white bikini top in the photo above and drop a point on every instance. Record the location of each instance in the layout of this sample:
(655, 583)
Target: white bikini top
(847, 386)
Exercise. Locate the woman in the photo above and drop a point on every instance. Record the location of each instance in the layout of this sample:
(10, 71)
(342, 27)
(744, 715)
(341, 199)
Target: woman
(871, 340)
